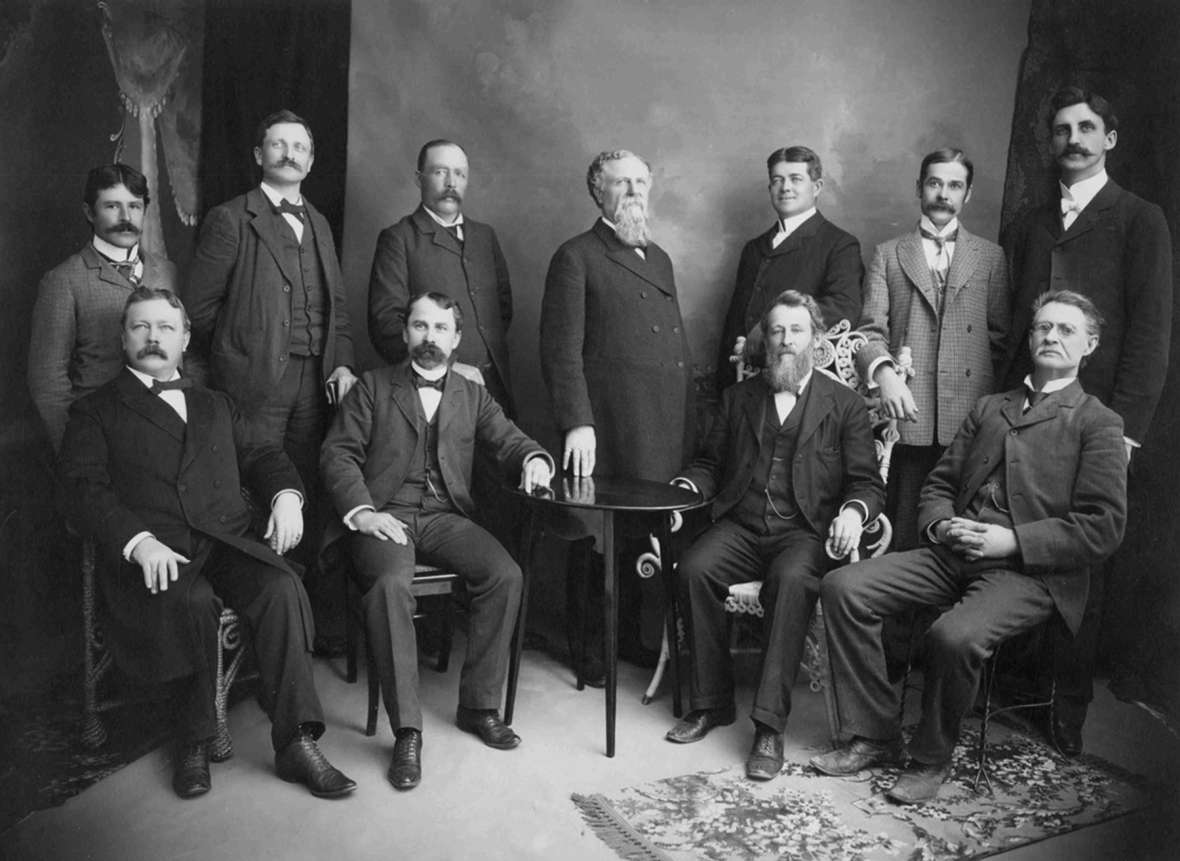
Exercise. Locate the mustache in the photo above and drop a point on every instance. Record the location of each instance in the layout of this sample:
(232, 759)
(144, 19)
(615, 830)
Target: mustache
(151, 350)
(124, 227)
(451, 195)
(288, 162)
(427, 351)
(945, 207)
(1075, 149)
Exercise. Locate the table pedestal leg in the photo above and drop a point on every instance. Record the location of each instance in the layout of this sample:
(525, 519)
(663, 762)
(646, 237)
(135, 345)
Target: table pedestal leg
(527, 548)
(610, 628)
(668, 573)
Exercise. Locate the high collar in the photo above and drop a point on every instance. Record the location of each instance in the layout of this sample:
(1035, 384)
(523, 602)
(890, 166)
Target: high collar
(275, 196)
(1082, 193)
(114, 252)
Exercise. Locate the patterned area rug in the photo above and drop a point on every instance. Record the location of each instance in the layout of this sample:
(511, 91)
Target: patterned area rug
(803, 815)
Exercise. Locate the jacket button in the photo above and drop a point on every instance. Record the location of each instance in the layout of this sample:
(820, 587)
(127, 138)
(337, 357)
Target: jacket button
(675, 330)
(1013, 432)
(221, 519)
(182, 487)
(213, 447)
(282, 357)
(655, 329)
(968, 327)
(286, 288)
(679, 364)
(967, 372)
(286, 323)
(217, 482)
(642, 294)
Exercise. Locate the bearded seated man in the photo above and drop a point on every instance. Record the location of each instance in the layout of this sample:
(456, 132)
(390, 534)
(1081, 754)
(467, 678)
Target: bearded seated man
(791, 461)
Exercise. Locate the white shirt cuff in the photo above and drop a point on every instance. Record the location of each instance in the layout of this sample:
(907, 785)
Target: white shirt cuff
(275, 498)
(348, 517)
(870, 375)
(864, 510)
(130, 546)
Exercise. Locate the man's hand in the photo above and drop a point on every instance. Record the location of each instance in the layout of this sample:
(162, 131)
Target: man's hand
(536, 473)
(344, 380)
(159, 562)
(578, 454)
(897, 401)
(974, 540)
(844, 532)
(284, 529)
(380, 524)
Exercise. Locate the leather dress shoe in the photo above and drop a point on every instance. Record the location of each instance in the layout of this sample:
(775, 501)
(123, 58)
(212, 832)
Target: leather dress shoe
(766, 755)
(302, 762)
(405, 771)
(191, 777)
(486, 724)
(858, 755)
(1066, 736)
(593, 672)
(918, 783)
(696, 724)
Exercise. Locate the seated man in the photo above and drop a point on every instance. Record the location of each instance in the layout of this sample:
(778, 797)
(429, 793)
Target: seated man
(1030, 494)
(150, 468)
(397, 466)
(791, 461)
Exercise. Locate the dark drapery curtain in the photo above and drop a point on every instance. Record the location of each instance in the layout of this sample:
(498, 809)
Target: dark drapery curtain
(261, 57)
(1127, 51)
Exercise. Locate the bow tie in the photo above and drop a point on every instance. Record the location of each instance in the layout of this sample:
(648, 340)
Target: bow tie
(1069, 205)
(171, 385)
(126, 268)
(420, 382)
(296, 209)
(940, 241)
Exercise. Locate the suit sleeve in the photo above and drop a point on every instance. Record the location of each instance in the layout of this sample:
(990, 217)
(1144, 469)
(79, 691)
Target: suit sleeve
(51, 347)
(862, 476)
(389, 294)
(1147, 294)
(936, 500)
(999, 312)
(875, 318)
(345, 449)
(510, 446)
(209, 275)
(503, 284)
(88, 494)
(706, 469)
(563, 333)
(265, 469)
(839, 296)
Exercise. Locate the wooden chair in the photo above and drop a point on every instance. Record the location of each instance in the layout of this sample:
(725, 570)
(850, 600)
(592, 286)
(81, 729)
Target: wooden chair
(431, 585)
(97, 663)
(834, 356)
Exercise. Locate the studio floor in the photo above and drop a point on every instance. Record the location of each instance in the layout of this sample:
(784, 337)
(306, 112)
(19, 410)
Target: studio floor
(478, 803)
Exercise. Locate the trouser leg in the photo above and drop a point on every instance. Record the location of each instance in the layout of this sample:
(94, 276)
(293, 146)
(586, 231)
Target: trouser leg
(790, 587)
(1074, 656)
(997, 604)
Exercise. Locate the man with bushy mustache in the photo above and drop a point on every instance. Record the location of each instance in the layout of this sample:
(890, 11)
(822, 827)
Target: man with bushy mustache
(1113, 247)
(790, 465)
(74, 343)
(614, 355)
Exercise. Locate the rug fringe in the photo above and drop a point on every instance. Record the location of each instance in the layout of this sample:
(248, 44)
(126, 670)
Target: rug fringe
(615, 831)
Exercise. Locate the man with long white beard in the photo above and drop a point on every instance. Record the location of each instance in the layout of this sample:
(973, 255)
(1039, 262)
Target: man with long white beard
(791, 464)
(614, 355)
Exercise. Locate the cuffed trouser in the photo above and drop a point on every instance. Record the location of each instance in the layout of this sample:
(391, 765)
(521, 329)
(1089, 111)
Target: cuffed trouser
(790, 563)
(991, 602)
(384, 571)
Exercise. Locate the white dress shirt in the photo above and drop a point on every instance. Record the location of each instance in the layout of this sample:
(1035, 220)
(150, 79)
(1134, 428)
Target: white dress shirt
(1076, 197)
(114, 252)
(787, 226)
(275, 199)
(457, 223)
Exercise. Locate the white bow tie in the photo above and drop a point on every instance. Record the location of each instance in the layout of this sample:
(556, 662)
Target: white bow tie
(1069, 205)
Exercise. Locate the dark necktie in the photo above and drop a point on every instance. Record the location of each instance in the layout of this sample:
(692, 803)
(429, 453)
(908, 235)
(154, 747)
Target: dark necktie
(171, 385)
(942, 263)
(1034, 398)
(453, 229)
(420, 382)
(286, 206)
(126, 268)
(940, 241)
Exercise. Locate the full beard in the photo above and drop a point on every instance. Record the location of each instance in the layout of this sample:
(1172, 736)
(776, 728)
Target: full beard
(630, 220)
(787, 370)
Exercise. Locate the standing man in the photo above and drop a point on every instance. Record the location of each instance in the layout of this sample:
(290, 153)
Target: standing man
(270, 312)
(150, 465)
(614, 354)
(397, 464)
(791, 462)
(1115, 249)
(74, 344)
(944, 293)
(1030, 495)
(802, 251)
(436, 247)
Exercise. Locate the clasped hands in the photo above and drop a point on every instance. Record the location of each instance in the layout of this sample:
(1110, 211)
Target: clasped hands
(974, 540)
(160, 564)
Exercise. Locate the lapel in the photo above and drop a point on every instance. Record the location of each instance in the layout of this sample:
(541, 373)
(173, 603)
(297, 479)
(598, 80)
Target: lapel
(199, 408)
(912, 257)
(818, 404)
(962, 264)
(797, 239)
(1013, 408)
(104, 271)
(754, 408)
(626, 257)
(406, 396)
(139, 398)
(439, 235)
(1092, 214)
(266, 227)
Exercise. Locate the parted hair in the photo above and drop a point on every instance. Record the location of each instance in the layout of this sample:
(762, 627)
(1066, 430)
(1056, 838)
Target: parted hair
(108, 176)
(797, 154)
(442, 300)
(144, 293)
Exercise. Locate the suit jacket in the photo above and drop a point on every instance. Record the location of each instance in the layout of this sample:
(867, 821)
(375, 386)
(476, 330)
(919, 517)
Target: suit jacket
(239, 297)
(1118, 252)
(75, 343)
(835, 457)
(419, 254)
(129, 464)
(1066, 478)
(818, 259)
(614, 354)
(957, 359)
(366, 455)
